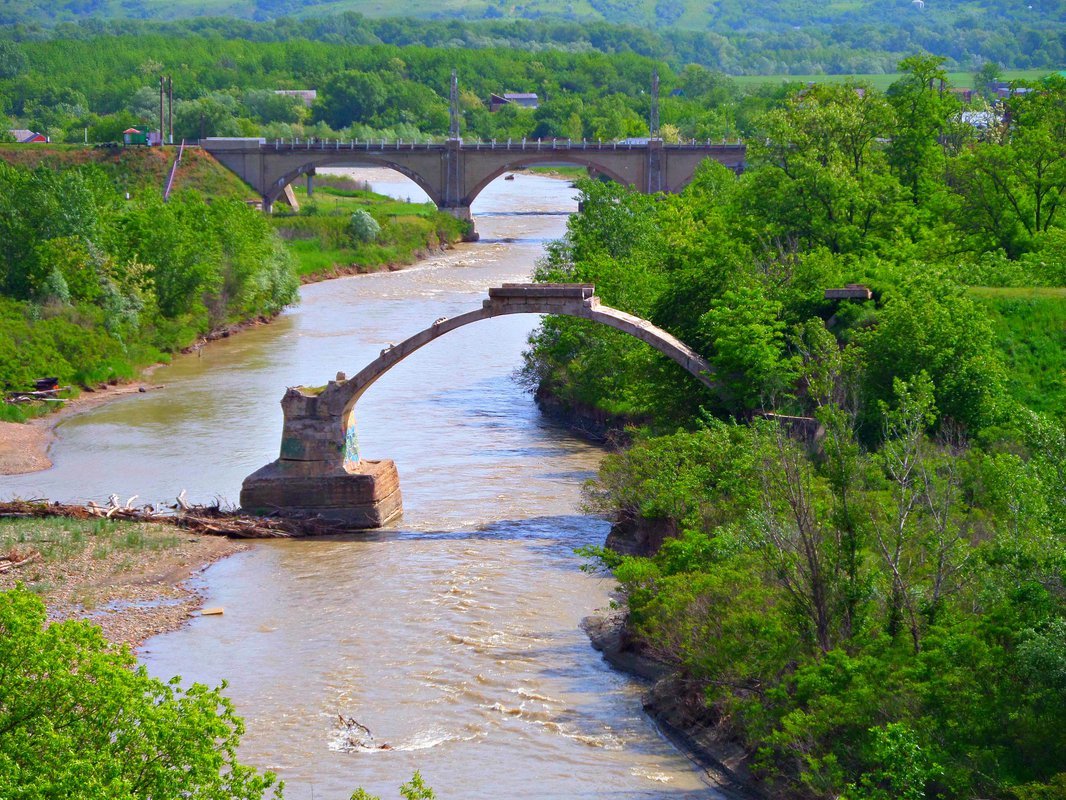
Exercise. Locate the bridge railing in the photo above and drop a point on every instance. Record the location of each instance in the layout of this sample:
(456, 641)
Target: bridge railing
(522, 145)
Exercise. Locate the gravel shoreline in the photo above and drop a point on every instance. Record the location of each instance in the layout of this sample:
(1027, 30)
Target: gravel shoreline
(132, 579)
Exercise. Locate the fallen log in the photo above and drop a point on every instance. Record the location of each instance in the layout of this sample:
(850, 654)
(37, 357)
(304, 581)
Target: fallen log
(212, 520)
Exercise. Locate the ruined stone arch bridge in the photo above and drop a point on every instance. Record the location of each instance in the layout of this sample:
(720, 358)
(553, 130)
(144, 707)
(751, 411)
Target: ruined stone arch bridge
(319, 471)
(454, 172)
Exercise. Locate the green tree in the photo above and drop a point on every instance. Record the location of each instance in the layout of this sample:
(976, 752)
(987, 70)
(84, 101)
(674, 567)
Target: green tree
(350, 97)
(1013, 189)
(989, 72)
(932, 326)
(749, 356)
(922, 104)
(821, 176)
(903, 768)
(12, 59)
(79, 719)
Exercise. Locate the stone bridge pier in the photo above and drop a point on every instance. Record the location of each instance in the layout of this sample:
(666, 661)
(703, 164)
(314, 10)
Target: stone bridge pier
(319, 471)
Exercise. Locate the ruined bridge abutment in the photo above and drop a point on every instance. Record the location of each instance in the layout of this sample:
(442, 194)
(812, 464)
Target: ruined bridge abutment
(453, 173)
(319, 471)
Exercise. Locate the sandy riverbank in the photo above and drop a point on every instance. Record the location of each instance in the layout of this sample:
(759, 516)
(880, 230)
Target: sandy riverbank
(130, 578)
(24, 446)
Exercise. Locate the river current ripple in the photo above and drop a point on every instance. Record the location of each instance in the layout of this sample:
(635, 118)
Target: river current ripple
(453, 636)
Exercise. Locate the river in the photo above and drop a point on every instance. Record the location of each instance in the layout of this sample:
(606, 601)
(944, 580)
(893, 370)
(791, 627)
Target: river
(453, 635)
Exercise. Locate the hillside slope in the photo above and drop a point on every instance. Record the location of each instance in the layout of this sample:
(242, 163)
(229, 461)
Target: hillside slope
(137, 168)
(698, 15)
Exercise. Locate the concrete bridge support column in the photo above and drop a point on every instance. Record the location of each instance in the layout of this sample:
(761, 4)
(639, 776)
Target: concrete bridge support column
(453, 198)
(310, 184)
(654, 167)
(463, 213)
(319, 472)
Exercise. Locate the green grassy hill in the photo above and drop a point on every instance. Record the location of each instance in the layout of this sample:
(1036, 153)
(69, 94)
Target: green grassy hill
(137, 168)
(1030, 330)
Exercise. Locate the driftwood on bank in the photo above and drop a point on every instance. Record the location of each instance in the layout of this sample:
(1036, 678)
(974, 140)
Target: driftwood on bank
(192, 517)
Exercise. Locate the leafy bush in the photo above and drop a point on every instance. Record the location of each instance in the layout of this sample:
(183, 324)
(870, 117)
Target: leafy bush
(362, 227)
(95, 288)
(79, 719)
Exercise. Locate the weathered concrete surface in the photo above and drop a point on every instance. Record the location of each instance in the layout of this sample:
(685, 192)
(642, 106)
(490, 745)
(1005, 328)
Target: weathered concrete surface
(319, 469)
(454, 173)
(368, 496)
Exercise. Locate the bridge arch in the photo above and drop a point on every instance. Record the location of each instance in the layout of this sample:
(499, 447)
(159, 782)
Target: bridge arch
(319, 471)
(348, 161)
(575, 300)
(546, 157)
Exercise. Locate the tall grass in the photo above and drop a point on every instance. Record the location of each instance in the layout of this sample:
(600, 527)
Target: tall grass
(1030, 330)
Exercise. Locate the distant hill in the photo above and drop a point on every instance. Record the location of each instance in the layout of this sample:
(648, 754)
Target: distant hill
(736, 36)
(724, 16)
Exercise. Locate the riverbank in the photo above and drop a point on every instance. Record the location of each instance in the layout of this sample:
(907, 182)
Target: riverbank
(131, 579)
(678, 709)
(320, 235)
(347, 270)
(24, 445)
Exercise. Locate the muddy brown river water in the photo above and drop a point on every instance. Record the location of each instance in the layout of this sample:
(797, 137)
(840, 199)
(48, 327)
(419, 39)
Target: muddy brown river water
(453, 635)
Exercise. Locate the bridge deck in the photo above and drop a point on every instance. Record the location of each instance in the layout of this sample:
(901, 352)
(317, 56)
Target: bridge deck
(578, 291)
(523, 145)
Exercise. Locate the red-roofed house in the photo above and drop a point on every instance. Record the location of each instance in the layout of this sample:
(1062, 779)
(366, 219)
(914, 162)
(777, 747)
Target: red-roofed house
(23, 136)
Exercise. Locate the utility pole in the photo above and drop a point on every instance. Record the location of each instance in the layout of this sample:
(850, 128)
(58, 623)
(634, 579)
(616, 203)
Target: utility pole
(455, 106)
(170, 109)
(162, 94)
(653, 122)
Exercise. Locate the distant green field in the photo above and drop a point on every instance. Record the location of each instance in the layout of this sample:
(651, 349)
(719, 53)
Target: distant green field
(882, 82)
(1029, 326)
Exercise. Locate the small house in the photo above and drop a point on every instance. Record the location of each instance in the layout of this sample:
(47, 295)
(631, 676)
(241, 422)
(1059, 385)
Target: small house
(522, 99)
(141, 135)
(980, 120)
(306, 96)
(23, 136)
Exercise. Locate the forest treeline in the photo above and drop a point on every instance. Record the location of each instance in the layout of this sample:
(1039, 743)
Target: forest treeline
(94, 285)
(97, 86)
(100, 86)
(869, 598)
(777, 37)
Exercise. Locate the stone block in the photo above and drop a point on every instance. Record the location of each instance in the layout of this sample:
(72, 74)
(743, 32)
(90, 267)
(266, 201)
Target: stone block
(367, 495)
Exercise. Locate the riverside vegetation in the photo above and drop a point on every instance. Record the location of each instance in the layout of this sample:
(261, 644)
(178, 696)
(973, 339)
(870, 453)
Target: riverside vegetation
(877, 610)
(80, 719)
(94, 286)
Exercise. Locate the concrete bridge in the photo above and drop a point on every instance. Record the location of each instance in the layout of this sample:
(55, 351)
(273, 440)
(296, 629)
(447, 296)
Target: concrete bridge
(319, 470)
(454, 172)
